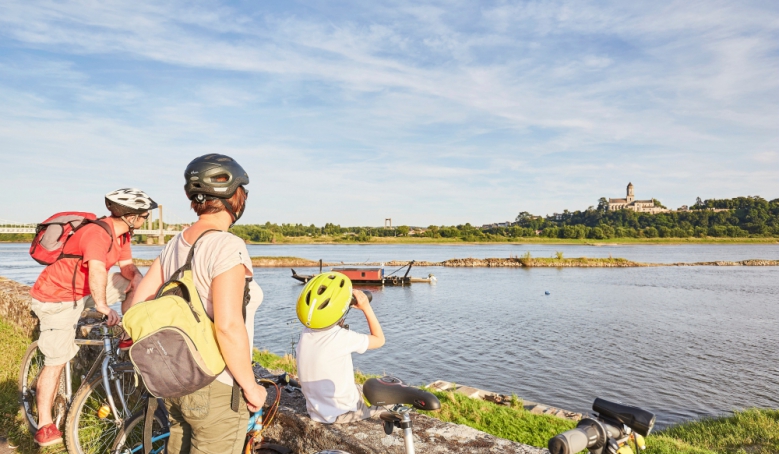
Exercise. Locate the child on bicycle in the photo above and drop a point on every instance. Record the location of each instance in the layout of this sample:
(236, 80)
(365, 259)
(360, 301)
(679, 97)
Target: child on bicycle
(324, 352)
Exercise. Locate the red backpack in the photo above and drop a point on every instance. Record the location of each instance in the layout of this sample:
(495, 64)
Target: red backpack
(52, 234)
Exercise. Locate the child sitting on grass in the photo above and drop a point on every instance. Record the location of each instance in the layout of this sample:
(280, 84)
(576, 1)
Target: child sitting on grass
(324, 353)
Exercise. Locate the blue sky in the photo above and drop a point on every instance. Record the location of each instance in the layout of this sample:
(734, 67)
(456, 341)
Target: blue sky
(426, 112)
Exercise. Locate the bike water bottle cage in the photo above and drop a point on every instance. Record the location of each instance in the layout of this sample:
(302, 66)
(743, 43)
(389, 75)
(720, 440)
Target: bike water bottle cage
(391, 390)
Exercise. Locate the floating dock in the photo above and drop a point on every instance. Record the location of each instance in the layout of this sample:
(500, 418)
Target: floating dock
(370, 275)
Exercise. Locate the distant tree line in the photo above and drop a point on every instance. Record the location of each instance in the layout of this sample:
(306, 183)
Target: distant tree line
(739, 217)
(742, 217)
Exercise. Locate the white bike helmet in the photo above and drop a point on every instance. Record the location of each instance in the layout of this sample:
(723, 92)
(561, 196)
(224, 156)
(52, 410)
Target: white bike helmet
(129, 201)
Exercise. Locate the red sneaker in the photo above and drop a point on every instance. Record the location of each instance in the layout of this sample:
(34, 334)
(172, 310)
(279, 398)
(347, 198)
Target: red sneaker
(48, 435)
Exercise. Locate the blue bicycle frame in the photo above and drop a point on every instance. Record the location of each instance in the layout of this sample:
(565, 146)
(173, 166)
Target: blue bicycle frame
(255, 423)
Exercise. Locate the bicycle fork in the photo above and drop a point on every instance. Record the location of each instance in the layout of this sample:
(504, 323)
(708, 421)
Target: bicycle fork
(109, 375)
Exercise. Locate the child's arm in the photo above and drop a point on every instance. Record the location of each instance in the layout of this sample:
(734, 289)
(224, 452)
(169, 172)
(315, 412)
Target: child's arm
(376, 339)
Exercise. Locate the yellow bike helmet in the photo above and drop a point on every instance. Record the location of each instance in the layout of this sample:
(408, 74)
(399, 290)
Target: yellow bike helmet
(325, 300)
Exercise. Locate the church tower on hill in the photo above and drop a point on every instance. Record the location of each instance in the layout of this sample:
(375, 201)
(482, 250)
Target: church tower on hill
(630, 203)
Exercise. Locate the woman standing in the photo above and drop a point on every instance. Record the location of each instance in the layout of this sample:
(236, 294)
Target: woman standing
(205, 421)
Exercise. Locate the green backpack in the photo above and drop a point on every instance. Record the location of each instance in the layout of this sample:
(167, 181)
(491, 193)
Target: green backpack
(175, 349)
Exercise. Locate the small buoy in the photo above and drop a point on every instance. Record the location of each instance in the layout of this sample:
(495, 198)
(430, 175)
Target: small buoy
(547, 293)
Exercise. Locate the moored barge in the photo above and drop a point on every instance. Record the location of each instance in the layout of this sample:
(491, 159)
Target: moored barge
(367, 275)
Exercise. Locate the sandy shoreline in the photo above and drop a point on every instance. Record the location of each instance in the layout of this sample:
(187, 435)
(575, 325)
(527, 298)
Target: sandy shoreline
(583, 262)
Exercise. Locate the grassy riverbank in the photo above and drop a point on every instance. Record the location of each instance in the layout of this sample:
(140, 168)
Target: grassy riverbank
(751, 431)
(512, 262)
(340, 239)
(325, 239)
(748, 432)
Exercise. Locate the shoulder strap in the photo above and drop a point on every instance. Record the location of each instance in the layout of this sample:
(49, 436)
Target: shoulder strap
(80, 258)
(148, 422)
(191, 255)
(107, 229)
(188, 264)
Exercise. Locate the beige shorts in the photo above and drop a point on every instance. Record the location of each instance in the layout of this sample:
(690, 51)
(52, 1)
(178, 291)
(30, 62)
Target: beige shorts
(58, 321)
(363, 412)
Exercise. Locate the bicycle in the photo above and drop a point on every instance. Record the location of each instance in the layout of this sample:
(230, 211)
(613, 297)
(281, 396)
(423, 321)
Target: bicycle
(90, 417)
(611, 431)
(130, 440)
(384, 391)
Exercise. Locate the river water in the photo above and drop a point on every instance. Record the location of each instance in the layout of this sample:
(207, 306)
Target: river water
(683, 342)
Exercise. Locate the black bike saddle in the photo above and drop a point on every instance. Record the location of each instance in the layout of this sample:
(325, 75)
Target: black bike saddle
(391, 390)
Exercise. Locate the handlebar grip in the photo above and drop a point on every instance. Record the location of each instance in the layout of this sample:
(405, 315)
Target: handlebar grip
(569, 442)
(294, 383)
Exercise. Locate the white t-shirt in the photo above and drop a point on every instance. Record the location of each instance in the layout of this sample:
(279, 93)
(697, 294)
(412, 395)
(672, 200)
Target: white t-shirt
(216, 253)
(326, 371)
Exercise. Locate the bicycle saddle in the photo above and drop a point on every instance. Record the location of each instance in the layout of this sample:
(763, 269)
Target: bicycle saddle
(391, 390)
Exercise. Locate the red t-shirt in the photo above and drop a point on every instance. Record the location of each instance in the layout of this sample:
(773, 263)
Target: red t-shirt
(55, 284)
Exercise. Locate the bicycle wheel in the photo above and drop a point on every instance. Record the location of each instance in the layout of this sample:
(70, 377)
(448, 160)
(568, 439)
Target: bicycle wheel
(130, 438)
(86, 432)
(32, 364)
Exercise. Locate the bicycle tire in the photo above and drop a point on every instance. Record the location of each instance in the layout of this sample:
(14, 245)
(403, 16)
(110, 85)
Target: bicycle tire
(85, 432)
(32, 364)
(129, 440)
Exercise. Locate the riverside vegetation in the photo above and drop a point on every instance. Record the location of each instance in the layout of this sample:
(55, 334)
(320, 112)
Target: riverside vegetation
(754, 431)
(741, 219)
(525, 261)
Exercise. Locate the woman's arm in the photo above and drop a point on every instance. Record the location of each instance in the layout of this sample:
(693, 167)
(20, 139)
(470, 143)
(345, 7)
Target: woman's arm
(227, 297)
(148, 286)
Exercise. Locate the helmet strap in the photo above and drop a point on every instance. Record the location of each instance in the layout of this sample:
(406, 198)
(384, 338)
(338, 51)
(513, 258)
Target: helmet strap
(130, 225)
(230, 210)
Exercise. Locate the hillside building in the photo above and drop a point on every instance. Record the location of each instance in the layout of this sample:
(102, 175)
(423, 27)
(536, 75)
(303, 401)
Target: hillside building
(630, 203)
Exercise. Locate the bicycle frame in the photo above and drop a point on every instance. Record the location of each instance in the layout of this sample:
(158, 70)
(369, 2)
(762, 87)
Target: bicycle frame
(105, 360)
(253, 425)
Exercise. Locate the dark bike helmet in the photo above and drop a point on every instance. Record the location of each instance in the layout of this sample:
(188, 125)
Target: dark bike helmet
(214, 176)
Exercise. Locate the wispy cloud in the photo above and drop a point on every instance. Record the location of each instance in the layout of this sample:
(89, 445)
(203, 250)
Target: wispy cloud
(470, 111)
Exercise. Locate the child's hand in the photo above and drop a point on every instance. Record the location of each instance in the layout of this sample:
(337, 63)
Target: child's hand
(362, 300)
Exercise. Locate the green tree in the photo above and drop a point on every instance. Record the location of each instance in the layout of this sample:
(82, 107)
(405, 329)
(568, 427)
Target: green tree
(403, 230)
(603, 204)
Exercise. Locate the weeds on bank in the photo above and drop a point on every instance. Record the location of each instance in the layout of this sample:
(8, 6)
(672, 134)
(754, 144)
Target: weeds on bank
(510, 422)
(13, 344)
(747, 432)
(287, 363)
(269, 360)
(753, 431)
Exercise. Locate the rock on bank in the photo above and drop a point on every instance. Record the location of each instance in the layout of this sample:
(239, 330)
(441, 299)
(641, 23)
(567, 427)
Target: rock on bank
(295, 430)
(15, 306)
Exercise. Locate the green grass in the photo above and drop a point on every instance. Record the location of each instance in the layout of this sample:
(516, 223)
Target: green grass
(513, 423)
(523, 240)
(13, 344)
(287, 363)
(754, 431)
(269, 360)
(747, 432)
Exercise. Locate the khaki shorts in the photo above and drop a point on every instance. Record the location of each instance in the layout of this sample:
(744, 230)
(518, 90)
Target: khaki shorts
(204, 423)
(363, 412)
(58, 321)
